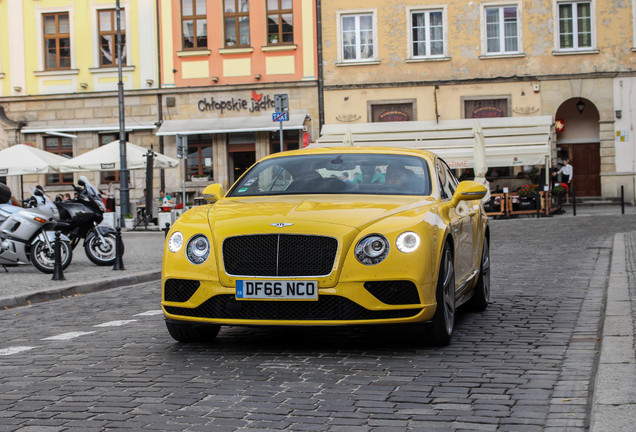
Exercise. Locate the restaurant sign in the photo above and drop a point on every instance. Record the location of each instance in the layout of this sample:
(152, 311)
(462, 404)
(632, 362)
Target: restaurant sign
(258, 102)
(559, 125)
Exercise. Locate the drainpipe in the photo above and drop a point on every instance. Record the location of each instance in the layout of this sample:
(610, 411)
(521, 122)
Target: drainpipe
(162, 173)
(321, 96)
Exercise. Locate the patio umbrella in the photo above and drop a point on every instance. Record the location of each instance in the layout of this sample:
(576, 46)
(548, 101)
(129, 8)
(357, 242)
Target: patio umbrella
(479, 159)
(21, 159)
(106, 158)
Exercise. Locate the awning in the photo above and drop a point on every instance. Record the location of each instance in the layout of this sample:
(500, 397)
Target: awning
(509, 140)
(231, 124)
(64, 129)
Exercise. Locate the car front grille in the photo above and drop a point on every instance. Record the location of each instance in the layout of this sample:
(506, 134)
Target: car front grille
(279, 255)
(180, 290)
(327, 307)
(395, 292)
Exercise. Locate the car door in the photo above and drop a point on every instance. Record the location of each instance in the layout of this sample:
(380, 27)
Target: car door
(461, 225)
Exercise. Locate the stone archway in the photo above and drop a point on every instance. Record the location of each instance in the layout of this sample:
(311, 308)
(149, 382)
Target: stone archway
(579, 141)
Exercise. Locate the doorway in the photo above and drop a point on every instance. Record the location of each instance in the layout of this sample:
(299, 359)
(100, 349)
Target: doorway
(240, 161)
(578, 139)
(586, 163)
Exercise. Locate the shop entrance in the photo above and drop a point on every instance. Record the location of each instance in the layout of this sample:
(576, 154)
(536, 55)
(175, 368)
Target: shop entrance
(579, 141)
(586, 162)
(240, 161)
(241, 153)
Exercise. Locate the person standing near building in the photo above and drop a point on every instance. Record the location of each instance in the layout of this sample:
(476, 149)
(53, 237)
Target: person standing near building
(110, 194)
(566, 172)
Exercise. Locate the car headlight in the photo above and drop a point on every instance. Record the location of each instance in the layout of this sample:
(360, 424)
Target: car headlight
(408, 242)
(372, 249)
(198, 249)
(175, 242)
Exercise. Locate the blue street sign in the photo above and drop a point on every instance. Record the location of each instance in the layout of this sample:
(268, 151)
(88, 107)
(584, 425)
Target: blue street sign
(280, 116)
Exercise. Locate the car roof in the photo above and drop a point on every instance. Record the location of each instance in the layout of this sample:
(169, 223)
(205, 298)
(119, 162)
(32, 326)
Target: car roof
(356, 149)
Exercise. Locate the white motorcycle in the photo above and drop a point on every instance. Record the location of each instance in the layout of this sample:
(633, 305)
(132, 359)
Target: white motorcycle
(26, 236)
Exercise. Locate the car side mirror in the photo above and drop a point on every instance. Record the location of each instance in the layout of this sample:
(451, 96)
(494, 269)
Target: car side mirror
(213, 193)
(468, 190)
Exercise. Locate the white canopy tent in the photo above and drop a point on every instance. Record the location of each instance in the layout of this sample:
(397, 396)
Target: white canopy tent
(106, 158)
(509, 141)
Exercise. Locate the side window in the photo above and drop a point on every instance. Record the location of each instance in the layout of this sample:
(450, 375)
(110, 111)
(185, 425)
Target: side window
(57, 41)
(108, 37)
(447, 181)
(194, 24)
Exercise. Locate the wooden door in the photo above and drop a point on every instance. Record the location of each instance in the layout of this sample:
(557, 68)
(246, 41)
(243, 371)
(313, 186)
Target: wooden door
(586, 163)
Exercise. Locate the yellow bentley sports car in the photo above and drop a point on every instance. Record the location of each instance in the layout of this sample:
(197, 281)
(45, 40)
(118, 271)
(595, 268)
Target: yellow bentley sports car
(330, 236)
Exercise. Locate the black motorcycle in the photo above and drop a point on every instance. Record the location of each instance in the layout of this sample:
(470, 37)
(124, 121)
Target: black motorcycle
(80, 219)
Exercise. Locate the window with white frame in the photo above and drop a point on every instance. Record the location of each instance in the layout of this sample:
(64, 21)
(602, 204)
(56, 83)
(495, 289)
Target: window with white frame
(427, 33)
(502, 30)
(575, 25)
(357, 36)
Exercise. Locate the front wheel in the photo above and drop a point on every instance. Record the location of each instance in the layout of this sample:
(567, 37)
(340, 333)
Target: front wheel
(188, 333)
(101, 252)
(441, 329)
(43, 256)
(481, 295)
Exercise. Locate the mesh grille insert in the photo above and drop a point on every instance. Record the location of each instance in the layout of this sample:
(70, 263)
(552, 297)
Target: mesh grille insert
(279, 255)
(180, 290)
(395, 292)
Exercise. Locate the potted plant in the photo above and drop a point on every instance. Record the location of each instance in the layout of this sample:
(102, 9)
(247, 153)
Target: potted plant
(560, 189)
(273, 38)
(199, 178)
(527, 194)
(129, 222)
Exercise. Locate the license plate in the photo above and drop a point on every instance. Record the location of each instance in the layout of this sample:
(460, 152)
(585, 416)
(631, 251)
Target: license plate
(277, 289)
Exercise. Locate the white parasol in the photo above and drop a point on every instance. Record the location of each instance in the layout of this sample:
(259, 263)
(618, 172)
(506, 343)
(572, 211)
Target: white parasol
(22, 159)
(479, 158)
(106, 158)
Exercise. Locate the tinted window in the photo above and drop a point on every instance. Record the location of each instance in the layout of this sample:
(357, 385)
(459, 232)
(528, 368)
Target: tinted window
(374, 174)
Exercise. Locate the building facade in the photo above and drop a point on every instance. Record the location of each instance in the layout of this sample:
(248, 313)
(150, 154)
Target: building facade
(428, 60)
(59, 83)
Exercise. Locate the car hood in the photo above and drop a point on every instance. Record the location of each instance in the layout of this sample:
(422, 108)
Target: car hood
(352, 211)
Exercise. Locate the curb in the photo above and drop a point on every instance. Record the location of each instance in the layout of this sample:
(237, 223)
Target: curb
(614, 406)
(78, 288)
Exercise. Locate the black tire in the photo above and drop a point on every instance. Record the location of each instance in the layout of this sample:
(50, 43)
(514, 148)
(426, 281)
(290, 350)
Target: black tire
(102, 254)
(481, 295)
(43, 258)
(441, 328)
(191, 333)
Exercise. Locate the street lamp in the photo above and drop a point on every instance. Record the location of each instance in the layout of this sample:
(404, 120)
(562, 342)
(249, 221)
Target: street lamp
(580, 106)
(124, 195)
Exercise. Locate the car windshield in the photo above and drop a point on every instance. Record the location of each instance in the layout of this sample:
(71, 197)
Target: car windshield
(346, 173)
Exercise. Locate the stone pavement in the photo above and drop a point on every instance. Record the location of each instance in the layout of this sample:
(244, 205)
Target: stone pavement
(143, 252)
(614, 401)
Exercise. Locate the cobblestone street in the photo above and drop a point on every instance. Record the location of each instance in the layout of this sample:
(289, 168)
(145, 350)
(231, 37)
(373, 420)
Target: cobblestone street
(105, 360)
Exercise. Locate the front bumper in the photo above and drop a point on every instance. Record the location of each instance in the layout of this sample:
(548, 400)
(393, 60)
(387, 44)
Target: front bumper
(380, 302)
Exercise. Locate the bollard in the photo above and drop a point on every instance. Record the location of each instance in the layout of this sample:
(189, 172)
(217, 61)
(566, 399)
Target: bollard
(573, 200)
(58, 273)
(166, 229)
(119, 262)
(622, 199)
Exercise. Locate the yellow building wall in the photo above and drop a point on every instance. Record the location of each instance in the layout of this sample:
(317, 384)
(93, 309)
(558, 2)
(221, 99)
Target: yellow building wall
(4, 53)
(352, 105)
(464, 34)
(83, 41)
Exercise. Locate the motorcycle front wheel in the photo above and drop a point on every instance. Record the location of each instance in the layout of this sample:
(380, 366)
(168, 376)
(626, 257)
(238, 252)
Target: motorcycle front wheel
(43, 258)
(102, 253)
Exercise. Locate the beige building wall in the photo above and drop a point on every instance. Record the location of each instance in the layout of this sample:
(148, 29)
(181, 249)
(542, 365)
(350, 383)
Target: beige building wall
(537, 80)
